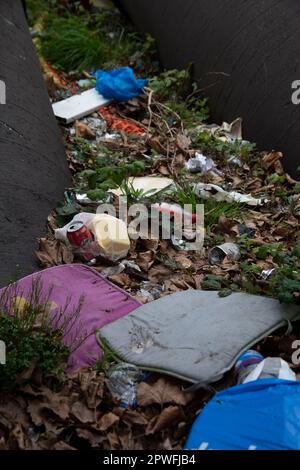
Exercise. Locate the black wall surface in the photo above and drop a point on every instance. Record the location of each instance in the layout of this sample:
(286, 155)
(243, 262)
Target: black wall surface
(251, 48)
(33, 172)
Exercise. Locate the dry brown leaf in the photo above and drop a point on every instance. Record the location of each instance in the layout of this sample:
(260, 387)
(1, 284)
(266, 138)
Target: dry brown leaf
(168, 417)
(129, 443)
(150, 244)
(156, 145)
(179, 161)
(12, 411)
(145, 260)
(92, 437)
(183, 260)
(122, 280)
(134, 417)
(61, 445)
(113, 442)
(92, 385)
(224, 225)
(159, 273)
(54, 402)
(106, 421)
(164, 390)
(271, 158)
(53, 252)
(83, 130)
(183, 142)
(20, 437)
(82, 412)
(163, 170)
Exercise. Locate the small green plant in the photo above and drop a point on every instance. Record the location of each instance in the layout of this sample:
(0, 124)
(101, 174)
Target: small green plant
(212, 282)
(296, 189)
(33, 335)
(276, 179)
(109, 177)
(285, 284)
(87, 41)
(135, 195)
(171, 84)
(264, 251)
(210, 145)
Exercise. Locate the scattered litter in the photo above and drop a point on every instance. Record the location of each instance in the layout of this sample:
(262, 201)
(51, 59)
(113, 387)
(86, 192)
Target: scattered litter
(122, 381)
(252, 366)
(119, 268)
(82, 240)
(113, 270)
(91, 128)
(246, 363)
(244, 230)
(150, 291)
(226, 250)
(86, 83)
(202, 164)
(120, 84)
(112, 236)
(83, 199)
(176, 211)
(180, 243)
(61, 233)
(234, 161)
(259, 415)
(266, 274)
(212, 191)
(226, 132)
(78, 106)
(210, 335)
(121, 124)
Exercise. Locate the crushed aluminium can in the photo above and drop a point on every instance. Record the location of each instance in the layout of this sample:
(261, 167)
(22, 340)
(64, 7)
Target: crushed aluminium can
(80, 237)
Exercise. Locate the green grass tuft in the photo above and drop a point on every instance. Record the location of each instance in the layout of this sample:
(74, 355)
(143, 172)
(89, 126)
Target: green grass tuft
(69, 44)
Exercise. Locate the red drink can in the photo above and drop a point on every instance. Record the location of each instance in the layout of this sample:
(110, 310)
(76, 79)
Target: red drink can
(80, 237)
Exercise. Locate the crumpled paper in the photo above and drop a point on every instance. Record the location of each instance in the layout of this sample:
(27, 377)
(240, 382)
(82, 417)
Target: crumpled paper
(212, 191)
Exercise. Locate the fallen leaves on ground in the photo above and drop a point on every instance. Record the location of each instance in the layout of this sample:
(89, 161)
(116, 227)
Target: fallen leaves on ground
(81, 414)
(53, 252)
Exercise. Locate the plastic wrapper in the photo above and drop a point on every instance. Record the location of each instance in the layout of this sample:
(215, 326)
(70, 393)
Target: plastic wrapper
(120, 84)
(202, 164)
(122, 381)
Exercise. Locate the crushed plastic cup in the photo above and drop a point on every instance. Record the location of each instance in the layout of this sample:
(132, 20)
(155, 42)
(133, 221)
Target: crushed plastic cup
(226, 250)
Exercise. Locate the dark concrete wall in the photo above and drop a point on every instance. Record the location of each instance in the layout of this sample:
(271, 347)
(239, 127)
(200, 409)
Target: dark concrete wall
(33, 170)
(251, 48)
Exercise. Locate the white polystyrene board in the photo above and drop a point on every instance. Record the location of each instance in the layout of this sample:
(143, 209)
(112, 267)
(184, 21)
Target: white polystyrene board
(78, 106)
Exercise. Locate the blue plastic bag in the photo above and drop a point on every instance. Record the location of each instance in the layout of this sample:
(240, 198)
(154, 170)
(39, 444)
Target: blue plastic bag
(120, 84)
(261, 415)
